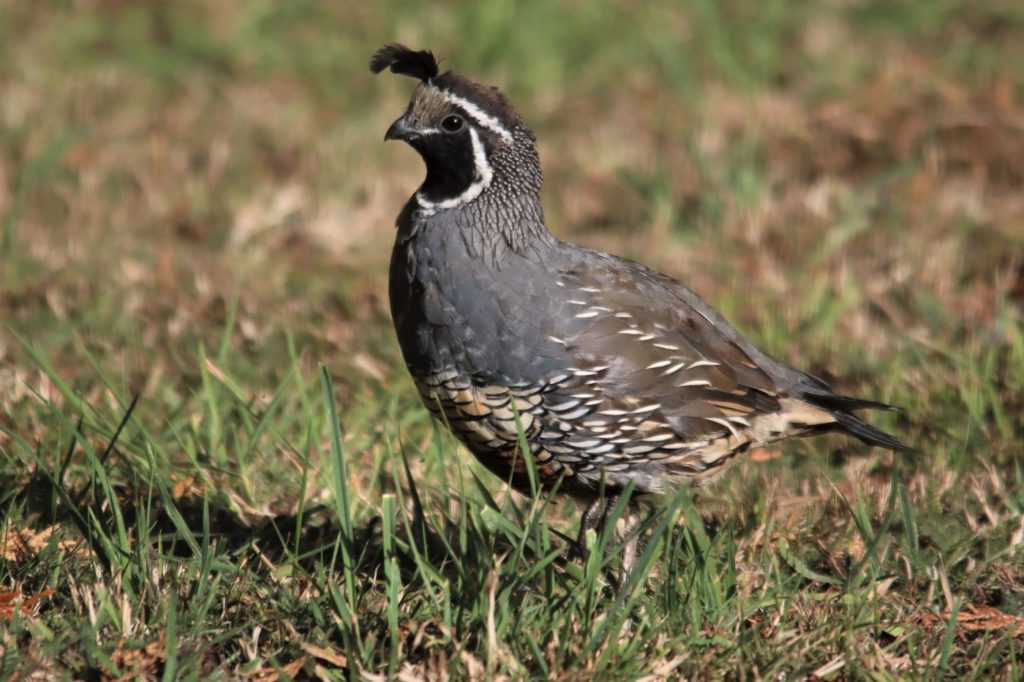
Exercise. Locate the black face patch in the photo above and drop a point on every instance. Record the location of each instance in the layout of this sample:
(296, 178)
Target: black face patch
(451, 167)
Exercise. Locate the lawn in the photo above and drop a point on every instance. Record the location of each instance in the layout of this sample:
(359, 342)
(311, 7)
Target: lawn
(213, 464)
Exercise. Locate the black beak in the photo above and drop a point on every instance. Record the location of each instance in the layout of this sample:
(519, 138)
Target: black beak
(400, 130)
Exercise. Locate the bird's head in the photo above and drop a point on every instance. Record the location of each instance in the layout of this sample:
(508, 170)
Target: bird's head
(470, 138)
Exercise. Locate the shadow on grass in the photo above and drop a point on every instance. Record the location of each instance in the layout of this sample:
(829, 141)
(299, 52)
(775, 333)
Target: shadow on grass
(185, 527)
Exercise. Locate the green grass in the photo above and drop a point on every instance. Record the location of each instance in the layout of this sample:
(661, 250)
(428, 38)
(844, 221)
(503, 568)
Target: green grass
(212, 463)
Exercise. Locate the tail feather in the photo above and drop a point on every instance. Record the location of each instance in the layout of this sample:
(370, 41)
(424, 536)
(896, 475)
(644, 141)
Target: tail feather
(867, 433)
(814, 390)
(846, 403)
(818, 393)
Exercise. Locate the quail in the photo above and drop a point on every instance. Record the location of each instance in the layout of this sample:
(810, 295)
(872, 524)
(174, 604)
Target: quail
(614, 374)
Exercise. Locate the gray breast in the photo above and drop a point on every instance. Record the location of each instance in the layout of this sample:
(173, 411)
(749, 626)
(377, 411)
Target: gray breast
(463, 299)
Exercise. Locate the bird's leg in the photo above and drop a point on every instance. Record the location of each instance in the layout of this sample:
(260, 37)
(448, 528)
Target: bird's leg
(627, 530)
(593, 517)
(597, 515)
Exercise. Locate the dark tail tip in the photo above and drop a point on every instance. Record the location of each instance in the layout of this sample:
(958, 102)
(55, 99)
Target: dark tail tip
(817, 392)
(867, 433)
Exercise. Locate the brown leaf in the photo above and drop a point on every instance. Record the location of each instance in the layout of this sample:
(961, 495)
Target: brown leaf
(22, 544)
(269, 673)
(764, 454)
(980, 618)
(323, 654)
(9, 602)
(139, 663)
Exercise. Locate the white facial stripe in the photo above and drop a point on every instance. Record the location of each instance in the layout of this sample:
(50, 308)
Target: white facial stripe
(484, 119)
(483, 178)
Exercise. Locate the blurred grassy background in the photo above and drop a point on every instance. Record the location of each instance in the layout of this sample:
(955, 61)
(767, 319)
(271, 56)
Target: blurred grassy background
(196, 205)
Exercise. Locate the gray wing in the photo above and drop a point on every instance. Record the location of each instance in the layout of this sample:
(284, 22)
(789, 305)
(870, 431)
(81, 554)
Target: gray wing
(639, 338)
(659, 384)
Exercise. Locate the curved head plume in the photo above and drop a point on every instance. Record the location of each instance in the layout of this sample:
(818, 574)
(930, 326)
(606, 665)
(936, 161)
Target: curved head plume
(406, 61)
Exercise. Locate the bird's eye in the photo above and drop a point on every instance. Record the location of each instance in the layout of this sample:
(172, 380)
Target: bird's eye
(452, 124)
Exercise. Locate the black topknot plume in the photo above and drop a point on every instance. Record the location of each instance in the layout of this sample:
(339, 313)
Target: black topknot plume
(403, 60)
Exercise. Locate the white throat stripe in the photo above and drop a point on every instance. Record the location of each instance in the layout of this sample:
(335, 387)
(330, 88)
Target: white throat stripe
(481, 181)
